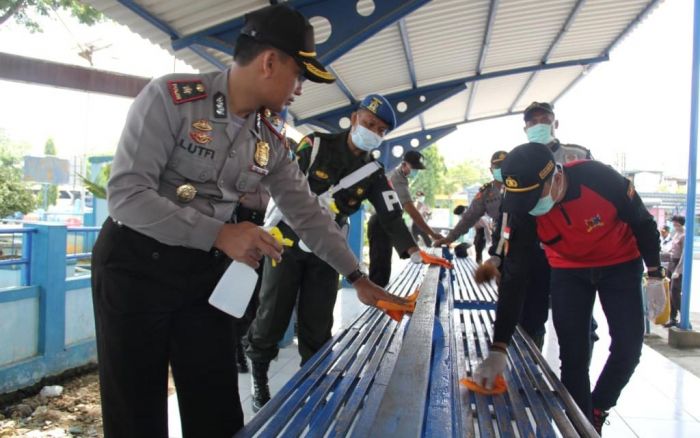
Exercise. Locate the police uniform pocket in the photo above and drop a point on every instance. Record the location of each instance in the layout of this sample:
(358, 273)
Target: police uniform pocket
(248, 181)
(192, 169)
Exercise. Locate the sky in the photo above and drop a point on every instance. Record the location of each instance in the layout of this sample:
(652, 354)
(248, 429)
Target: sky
(636, 104)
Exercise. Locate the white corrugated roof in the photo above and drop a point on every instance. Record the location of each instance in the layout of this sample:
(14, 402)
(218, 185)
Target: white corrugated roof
(446, 38)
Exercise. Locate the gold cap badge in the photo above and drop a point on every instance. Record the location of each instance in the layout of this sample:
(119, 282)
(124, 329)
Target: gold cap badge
(511, 182)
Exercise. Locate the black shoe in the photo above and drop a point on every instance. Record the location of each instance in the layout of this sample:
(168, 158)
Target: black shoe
(241, 362)
(671, 323)
(261, 390)
(599, 419)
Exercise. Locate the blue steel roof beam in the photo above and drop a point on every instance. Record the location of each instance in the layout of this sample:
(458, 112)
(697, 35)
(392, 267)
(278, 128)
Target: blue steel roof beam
(409, 61)
(646, 11)
(349, 28)
(493, 7)
(143, 13)
(416, 100)
(343, 86)
(565, 28)
(434, 134)
(344, 111)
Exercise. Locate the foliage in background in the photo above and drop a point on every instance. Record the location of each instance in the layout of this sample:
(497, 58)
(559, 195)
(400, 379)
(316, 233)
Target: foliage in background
(21, 11)
(52, 190)
(98, 187)
(15, 194)
(431, 181)
(466, 174)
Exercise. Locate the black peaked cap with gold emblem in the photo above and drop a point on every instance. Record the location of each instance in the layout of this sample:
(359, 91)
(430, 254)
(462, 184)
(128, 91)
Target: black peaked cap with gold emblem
(289, 31)
(524, 171)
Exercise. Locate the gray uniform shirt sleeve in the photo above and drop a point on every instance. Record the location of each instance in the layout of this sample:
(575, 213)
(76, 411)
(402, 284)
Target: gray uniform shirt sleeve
(144, 148)
(290, 190)
(400, 184)
(470, 217)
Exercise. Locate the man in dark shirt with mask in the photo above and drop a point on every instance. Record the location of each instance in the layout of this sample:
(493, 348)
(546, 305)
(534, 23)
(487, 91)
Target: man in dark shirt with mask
(596, 232)
(302, 277)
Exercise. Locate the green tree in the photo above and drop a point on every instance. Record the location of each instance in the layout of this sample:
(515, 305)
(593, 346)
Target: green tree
(431, 181)
(466, 174)
(52, 190)
(23, 10)
(15, 194)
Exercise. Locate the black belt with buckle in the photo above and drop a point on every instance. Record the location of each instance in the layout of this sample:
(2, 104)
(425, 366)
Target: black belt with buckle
(245, 214)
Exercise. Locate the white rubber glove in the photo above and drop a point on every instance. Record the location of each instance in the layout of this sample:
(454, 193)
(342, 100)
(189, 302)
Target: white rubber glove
(416, 258)
(495, 364)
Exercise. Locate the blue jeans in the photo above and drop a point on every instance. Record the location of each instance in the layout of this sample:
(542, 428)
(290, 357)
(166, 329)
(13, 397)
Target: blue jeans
(573, 294)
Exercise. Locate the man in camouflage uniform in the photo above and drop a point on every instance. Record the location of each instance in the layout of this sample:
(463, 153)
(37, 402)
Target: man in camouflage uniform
(487, 201)
(192, 147)
(302, 278)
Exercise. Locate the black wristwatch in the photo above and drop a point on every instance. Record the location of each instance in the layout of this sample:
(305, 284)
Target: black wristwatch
(659, 273)
(354, 276)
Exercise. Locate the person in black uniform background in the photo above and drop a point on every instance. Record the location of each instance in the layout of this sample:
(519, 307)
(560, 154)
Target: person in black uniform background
(303, 279)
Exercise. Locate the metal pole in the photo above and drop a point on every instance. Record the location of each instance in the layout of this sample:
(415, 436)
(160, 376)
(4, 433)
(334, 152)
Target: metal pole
(692, 171)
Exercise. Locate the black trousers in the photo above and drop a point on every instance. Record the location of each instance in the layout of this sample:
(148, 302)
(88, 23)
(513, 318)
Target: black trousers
(479, 242)
(536, 306)
(151, 311)
(379, 252)
(302, 278)
(675, 289)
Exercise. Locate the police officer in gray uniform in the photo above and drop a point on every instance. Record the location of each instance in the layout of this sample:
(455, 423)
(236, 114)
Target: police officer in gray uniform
(379, 237)
(540, 127)
(304, 278)
(192, 146)
(487, 201)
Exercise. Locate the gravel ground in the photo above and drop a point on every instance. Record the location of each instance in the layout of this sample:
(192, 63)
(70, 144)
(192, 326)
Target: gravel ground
(75, 413)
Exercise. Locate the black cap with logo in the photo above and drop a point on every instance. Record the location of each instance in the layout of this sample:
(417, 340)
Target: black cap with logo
(415, 159)
(537, 106)
(524, 171)
(289, 31)
(498, 157)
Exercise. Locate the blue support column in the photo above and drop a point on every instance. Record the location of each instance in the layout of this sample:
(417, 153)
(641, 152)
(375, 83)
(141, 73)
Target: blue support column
(356, 235)
(48, 271)
(692, 175)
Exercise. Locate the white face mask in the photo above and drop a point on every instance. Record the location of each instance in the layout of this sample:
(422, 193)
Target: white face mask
(364, 139)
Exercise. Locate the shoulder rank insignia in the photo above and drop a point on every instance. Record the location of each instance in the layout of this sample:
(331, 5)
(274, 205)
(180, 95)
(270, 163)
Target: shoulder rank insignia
(360, 191)
(202, 125)
(186, 91)
(262, 153)
(321, 174)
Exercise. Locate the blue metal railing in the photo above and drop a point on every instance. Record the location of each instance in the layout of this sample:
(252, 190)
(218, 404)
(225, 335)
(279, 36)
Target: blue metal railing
(19, 254)
(83, 238)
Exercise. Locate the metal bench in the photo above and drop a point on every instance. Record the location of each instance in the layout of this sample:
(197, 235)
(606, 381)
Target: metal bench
(379, 378)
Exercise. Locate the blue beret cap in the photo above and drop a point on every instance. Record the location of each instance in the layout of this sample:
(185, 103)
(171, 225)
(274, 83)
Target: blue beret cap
(380, 107)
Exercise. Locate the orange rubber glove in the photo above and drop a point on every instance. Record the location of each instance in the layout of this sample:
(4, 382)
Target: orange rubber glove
(499, 386)
(435, 260)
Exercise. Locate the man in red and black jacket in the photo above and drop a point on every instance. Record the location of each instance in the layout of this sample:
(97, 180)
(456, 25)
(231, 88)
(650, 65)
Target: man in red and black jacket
(596, 232)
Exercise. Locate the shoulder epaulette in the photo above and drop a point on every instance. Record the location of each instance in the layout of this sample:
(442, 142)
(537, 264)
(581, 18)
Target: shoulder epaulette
(186, 90)
(485, 187)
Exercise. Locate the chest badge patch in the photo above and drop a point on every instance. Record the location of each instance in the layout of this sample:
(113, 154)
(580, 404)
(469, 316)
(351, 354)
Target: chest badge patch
(593, 223)
(202, 125)
(200, 137)
(262, 153)
(321, 174)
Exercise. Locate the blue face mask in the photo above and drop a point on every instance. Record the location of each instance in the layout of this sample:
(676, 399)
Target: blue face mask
(497, 175)
(365, 139)
(544, 204)
(412, 173)
(540, 133)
